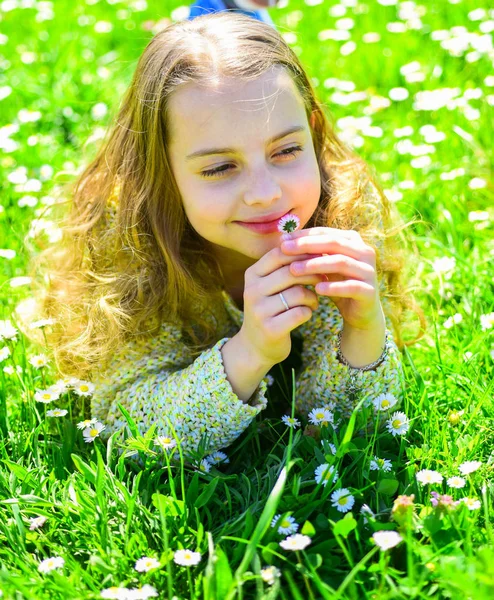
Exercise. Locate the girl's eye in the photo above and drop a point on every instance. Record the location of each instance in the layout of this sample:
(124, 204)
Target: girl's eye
(293, 151)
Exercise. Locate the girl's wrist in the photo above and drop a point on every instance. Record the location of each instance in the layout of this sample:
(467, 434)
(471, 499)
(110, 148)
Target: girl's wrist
(362, 348)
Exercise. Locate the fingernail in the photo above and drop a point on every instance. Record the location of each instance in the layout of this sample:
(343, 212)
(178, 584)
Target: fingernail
(286, 236)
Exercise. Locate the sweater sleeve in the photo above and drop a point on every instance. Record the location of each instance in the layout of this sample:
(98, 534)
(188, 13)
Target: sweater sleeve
(324, 380)
(158, 381)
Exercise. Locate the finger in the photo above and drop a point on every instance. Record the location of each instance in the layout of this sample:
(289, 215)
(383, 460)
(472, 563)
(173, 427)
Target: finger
(315, 231)
(358, 290)
(335, 263)
(271, 261)
(298, 295)
(326, 244)
(282, 279)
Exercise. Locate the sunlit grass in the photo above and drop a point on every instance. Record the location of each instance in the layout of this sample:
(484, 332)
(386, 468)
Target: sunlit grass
(410, 86)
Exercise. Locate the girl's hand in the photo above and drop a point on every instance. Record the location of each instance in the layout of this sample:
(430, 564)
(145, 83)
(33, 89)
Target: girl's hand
(267, 324)
(350, 267)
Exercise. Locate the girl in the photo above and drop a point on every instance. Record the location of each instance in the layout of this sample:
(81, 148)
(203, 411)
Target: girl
(173, 290)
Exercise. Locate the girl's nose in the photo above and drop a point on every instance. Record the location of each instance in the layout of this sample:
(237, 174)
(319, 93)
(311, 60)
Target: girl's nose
(261, 187)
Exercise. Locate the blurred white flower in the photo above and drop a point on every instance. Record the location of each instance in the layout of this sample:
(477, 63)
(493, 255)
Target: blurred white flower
(165, 442)
(115, 593)
(445, 264)
(41, 323)
(103, 27)
(85, 424)
(49, 564)
(56, 412)
(342, 500)
(452, 321)
(371, 37)
(384, 401)
(83, 388)
(38, 361)
(487, 321)
(91, 433)
(470, 466)
(290, 422)
(36, 522)
(478, 215)
(449, 175)
(8, 254)
(398, 94)
(28, 116)
(296, 542)
(285, 525)
(477, 183)
(99, 111)
(471, 503)
(46, 396)
(187, 558)
(398, 424)
(456, 482)
(426, 476)
(381, 464)
(8, 331)
(270, 574)
(205, 466)
(217, 457)
(146, 563)
(4, 353)
(320, 416)
(325, 473)
(386, 539)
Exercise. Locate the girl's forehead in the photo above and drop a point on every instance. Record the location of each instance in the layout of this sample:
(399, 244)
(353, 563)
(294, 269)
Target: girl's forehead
(270, 101)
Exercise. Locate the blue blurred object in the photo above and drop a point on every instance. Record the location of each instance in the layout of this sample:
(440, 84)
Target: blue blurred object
(204, 7)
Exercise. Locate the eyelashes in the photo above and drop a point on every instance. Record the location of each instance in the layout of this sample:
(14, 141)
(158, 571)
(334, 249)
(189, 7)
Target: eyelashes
(292, 151)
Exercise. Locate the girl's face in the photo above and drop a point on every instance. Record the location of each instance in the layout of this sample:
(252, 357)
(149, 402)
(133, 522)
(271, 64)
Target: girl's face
(242, 151)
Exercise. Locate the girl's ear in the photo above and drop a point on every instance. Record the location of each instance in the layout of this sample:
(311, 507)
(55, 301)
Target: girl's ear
(312, 120)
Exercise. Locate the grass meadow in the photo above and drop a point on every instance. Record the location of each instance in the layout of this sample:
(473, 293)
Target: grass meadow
(411, 87)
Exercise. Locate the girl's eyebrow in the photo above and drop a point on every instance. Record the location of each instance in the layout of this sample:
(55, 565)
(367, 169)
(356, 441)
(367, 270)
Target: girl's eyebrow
(208, 151)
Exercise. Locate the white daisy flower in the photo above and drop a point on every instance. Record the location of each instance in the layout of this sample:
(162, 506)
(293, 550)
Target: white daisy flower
(186, 558)
(146, 563)
(320, 416)
(387, 539)
(398, 424)
(56, 412)
(456, 482)
(217, 457)
(332, 447)
(143, 593)
(38, 361)
(49, 564)
(41, 323)
(487, 321)
(4, 353)
(426, 476)
(288, 223)
(290, 422)
(471, 503)
(382, 464)
(286, 525)
(270, 574)
(469, 466)
(91, 433)
(205, 466)
(59, 386)
(115, 593)
(84, 388)
(342, 500)
(324, 473)
(165, 442)
(46, 396)
(384, 401)
(87, 423)
(8, 331)
(36, 522)
(296, 542)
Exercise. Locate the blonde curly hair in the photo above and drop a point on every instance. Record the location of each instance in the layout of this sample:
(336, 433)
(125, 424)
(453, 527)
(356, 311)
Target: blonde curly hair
(129, 260)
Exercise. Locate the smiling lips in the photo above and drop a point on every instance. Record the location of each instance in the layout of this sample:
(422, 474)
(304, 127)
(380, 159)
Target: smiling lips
(264, 226)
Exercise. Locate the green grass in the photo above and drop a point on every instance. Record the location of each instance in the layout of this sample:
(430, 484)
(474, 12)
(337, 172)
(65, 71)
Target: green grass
(104, 511)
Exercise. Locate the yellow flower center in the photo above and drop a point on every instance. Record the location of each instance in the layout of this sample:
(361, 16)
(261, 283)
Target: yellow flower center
(385, 403)
(84, 388)
(93, 432)
(187, 556)
(342, 501)
(396, 423)
(46, 396)
(285, 523)
(380, 461)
